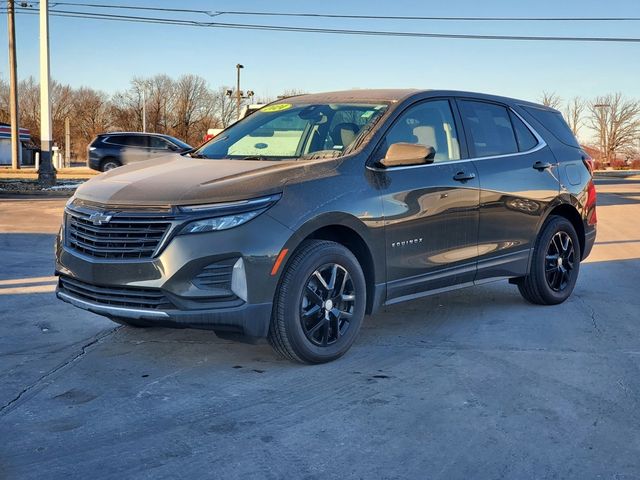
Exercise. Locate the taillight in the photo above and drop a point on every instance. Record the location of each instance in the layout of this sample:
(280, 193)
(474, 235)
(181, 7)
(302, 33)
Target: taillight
(589, 163)
(592, 217)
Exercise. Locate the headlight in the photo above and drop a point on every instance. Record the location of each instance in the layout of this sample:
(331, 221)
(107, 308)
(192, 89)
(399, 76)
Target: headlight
(220, 223)
(222, 216)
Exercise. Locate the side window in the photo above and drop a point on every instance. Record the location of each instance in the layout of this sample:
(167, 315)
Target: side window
(429, 123)
(158, 143)
(490, 128)
(134, 141)
(526, 139)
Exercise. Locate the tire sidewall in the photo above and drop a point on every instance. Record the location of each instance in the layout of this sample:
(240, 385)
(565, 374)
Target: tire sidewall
(555, 225)
(293, 295)
(108, 162)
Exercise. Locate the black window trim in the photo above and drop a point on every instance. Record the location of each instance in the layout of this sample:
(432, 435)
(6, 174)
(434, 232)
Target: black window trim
(464, 140)
(109, 137)
(540, 145)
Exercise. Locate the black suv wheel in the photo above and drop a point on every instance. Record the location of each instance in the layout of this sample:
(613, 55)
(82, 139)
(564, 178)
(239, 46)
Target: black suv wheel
(555, 264)
(319, 305)
(109, 164)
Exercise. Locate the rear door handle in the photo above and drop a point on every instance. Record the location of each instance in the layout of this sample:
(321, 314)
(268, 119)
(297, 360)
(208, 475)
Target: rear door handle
(542, 165)
(464, 176)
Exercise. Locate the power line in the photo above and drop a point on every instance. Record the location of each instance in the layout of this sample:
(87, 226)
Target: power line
(282, 28)
(214, 13)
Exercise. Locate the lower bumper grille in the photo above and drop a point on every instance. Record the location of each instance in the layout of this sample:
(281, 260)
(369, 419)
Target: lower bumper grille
(132, 297)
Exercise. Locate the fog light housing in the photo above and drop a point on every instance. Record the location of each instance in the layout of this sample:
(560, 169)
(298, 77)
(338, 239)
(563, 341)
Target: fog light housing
(239, 280)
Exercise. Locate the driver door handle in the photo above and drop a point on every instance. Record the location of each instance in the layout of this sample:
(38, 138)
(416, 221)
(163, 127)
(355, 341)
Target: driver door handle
(542, 165)
(464, 176)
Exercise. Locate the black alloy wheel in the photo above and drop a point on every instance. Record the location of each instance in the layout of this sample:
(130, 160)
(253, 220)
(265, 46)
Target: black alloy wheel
(327, 305)
(560, 260)
(555, 264)
(320, 303)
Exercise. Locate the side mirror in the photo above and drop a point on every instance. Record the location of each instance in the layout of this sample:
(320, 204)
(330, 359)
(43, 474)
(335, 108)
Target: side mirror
(400, 154)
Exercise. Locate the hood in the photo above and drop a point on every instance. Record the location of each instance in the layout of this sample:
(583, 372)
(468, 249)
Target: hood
(178, 180)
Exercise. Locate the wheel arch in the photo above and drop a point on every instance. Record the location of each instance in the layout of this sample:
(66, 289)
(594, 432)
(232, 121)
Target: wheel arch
(350, 232)
(571, 213)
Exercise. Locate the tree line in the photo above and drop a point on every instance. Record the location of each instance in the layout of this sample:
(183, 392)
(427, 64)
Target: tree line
(184, 107)
(613, 119)
(187, 106)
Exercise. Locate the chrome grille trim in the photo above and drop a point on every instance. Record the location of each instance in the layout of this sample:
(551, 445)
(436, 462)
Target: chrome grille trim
(126, 235)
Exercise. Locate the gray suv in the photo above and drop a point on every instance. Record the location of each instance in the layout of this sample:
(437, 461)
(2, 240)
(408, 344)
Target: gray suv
(298, 220)
(111, 150)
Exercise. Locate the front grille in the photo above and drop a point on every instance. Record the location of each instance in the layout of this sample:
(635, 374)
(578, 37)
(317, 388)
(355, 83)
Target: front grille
(123, 236)
(216, 275)
(132, 297)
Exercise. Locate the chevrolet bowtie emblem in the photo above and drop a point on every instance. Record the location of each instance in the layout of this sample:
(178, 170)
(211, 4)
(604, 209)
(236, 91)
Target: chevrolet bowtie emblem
(99, 218)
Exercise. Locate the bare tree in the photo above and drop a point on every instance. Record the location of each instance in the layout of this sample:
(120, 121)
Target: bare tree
(224, 108)
(193, 108)
(573, 113)
(551, 99)
(616, 122)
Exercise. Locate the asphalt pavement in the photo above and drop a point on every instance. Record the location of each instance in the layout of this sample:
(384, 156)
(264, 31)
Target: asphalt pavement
(471, 384)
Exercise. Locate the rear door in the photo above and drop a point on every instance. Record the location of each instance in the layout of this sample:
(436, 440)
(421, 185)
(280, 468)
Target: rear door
(518, 179)
(430, 210)
(135, 148)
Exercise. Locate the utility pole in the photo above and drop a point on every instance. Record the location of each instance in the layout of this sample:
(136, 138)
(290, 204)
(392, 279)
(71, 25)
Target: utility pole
(67, 143)
(238, 92)
(13, 95)
(46, 172)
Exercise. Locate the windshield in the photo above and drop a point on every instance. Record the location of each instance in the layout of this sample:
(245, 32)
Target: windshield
(179, 143)
(286, 131)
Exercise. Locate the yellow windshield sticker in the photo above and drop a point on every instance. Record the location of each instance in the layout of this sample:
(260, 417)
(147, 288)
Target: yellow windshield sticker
(276, 108)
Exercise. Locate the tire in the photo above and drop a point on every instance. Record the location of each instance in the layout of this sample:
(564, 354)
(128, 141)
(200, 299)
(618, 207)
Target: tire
(555, 264)
(128, 322)
(315, 322)
(109, 164)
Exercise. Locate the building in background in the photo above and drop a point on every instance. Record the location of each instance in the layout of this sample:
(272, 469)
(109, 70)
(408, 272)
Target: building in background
(27, 148)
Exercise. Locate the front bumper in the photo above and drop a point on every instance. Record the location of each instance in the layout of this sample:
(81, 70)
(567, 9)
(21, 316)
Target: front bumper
(173, 275)
(249, 320)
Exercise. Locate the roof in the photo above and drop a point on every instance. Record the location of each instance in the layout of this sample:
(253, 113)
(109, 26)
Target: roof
(396, 95)
(364, 95)
(5, 132)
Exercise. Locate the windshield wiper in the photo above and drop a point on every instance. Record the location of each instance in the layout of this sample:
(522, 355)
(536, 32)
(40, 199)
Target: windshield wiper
(320, 154)
(197, 155)
(256, 157)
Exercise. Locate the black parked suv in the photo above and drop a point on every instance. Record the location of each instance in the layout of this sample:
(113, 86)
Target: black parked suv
(111, 150)
(318, 209)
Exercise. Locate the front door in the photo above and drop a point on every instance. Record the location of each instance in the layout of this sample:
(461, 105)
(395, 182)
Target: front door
(430, 210)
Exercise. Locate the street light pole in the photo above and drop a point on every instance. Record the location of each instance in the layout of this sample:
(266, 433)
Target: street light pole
(144, 108)
(238, 92)
(13, 94)
(604, 141)
(46, 172)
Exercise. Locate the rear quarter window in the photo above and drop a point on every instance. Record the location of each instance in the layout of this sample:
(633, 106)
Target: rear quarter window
(554, 122)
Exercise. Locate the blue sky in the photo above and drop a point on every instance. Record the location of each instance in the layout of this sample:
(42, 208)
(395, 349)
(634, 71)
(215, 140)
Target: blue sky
(105, 55)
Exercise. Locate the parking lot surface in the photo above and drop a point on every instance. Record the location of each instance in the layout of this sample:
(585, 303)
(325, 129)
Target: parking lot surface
(470, 384)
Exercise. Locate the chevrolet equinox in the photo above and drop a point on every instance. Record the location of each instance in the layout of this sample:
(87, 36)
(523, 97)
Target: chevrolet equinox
(318, 209)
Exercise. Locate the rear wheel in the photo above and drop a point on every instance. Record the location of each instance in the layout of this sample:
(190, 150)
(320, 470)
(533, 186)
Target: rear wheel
(555, 264)
(319, 305)
(109, 164)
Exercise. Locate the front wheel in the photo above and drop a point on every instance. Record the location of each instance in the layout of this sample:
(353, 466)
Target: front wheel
(555, 264)
(319, 305)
